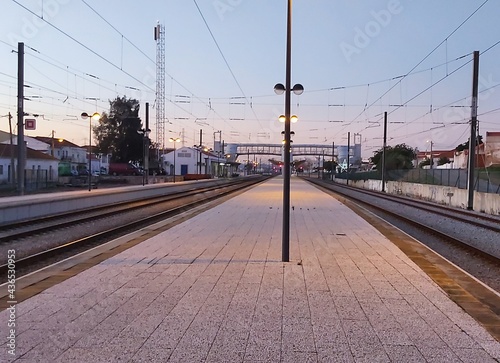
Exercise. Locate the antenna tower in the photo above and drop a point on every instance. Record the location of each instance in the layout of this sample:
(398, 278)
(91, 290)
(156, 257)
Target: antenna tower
(160, 85)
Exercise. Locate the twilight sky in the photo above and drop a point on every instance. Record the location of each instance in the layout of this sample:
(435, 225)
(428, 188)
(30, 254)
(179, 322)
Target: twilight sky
(355, 59)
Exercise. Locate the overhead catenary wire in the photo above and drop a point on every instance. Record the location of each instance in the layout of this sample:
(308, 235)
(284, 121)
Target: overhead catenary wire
(428, 54)
(154, 62)
(225, 61)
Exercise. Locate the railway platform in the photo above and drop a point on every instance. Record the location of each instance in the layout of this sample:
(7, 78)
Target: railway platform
(213, 288)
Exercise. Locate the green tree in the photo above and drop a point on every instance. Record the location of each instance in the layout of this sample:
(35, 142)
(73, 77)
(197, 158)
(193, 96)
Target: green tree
(465, 145)
(329, 166)
(443, 160)
(117, 131)
(400, 156)
(424, 163)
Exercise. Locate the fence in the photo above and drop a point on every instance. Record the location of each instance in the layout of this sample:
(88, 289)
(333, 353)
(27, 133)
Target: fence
(38, 179)
(486, 180)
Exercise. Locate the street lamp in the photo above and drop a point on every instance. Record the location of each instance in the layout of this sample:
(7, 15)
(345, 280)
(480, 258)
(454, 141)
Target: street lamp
(431, 158)
(287, 89)
(145, 153)
(94, 116)
(174, 140)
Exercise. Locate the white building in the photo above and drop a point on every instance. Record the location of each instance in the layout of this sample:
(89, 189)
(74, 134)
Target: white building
(187, 161)
(40, 167)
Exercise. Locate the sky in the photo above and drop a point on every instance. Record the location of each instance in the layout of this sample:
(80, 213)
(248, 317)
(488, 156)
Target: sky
(356, 60)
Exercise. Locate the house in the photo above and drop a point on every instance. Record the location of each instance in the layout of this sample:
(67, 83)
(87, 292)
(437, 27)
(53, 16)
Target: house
(40, 167)
(436, 155)
(492, 149)
(461, 160)
(188, 160)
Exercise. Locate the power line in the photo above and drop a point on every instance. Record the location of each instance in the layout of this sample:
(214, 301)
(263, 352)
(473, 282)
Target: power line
(154, 62)
(429, 54)
(123, 36)
(225, 60)
(81, 44)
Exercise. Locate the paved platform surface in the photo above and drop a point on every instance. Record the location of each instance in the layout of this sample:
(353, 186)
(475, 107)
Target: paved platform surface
(214, 289)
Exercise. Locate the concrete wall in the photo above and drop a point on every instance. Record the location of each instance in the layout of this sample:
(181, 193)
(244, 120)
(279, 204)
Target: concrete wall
(455, 197)
(24, 208)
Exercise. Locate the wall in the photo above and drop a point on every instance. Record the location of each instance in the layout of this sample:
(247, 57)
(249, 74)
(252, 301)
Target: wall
(455, 197)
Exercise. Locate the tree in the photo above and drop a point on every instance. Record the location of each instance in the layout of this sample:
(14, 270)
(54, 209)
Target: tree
(400, 156)
(443, 160)
(117, 133)
(465, 145)
(329, 166)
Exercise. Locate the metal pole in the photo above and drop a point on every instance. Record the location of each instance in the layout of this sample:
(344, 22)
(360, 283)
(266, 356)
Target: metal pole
(146, 147)
(224, 156)
(472, 140)
(323, 166)
(90, 153)
(21, 156)
(201, 142)
(348, 155)
(383, 151)
(174, 161)
(431, 159)
(285, 252)
(333, 158)
(12, 167)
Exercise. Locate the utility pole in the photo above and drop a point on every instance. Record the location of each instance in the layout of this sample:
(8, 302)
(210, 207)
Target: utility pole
(12, 167)
(383, 151)
(200, 149)
(146, 146)
(431, 161)
(472, 139)
(348, 155)
(52, 144)
(21, 149)
(224, 156)
(333, 158)
(323, 166)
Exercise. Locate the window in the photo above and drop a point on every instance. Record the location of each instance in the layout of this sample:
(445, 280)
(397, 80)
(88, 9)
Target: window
(1, 169)
(184, 155)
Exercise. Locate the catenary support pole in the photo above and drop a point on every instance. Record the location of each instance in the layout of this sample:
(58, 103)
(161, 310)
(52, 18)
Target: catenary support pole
(383, 151)
(348, 155)
(472, 139)
(21, 149)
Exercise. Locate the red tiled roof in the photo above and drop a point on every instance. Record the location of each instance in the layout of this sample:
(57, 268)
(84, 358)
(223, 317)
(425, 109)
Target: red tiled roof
(7, 151)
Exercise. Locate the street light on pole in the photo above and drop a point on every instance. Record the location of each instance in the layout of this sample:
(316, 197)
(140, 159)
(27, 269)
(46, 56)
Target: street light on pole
(174, 140)
(145, 153)
(287, 89)
(95, 116)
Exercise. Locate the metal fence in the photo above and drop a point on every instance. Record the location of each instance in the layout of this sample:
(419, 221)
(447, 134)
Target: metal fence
(38, 179)
(486, 180)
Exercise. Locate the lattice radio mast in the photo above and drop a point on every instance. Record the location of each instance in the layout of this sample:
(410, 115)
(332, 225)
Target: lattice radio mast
(160, 85)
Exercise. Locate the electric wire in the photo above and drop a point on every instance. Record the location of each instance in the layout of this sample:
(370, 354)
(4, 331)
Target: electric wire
(429, 54)
(225, 61)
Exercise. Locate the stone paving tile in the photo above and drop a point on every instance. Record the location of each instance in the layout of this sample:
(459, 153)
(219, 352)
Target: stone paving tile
(405, 353)
(214, 289)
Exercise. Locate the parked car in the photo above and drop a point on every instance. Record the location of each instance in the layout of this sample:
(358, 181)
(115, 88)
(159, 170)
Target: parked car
(124, 169)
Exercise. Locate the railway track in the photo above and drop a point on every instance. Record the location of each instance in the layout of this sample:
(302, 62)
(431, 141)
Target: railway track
(478, 221)
(21, 229)
(170, 205)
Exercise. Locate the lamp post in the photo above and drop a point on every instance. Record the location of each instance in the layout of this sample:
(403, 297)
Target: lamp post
(430, 158)
(174, 140)
(145, 153)
(279, 89)
(95, 116)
